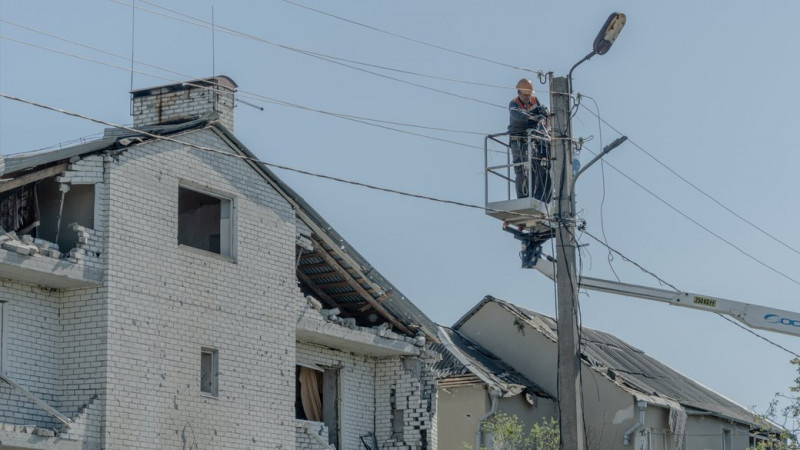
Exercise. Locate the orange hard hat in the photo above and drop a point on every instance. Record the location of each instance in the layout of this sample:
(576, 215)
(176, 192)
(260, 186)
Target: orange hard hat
(525, 85)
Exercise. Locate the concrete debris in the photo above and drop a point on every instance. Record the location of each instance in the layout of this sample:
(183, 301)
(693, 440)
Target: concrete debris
(330, 313)
(314, 303)
(20, 247)
(44, 432)
(28, 245)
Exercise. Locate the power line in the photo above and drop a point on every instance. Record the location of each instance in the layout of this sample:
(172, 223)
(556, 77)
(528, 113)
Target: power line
(247, 94)
(708, 230)
(481, 58)
(328, 58)
(239, 92)
(342, 180)
(663, 282)
(258, 161)
(410, 133)
(695, 187)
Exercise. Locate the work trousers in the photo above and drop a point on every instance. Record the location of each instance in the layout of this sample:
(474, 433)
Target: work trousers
(540, 166)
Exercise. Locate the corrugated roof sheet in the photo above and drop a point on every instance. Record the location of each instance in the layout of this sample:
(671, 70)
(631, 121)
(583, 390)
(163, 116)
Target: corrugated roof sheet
(632, 368)
(396, 303)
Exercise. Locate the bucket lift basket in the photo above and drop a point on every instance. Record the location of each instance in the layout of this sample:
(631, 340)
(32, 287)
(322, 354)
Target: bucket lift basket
(500, 191)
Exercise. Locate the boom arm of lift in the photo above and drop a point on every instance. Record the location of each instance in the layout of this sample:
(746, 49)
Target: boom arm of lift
(754, 316)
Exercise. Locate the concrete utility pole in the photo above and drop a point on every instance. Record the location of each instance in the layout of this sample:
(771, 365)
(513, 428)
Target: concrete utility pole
(570, 392)
(570, 395)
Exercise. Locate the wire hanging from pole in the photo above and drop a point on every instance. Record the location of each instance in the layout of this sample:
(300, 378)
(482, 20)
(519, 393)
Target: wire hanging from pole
(133, 36)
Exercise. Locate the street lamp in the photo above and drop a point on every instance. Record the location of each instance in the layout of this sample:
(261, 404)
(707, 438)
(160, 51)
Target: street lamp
(605, 38)
(570, 398)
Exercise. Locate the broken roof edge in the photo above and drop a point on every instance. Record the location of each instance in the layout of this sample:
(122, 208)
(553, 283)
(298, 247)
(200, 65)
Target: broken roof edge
(482, 371)
(27, 160)
(397, 304)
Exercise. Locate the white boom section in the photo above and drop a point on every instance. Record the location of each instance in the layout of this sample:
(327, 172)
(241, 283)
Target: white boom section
(754, 316)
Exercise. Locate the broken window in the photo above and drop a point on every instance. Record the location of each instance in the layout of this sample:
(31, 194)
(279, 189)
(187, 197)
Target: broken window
(317, 398)
(209, 371)
(45, 209)
(78, 208)
(19, 209)
(204, 221)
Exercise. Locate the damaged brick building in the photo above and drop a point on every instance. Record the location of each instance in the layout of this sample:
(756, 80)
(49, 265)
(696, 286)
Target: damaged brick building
(161, 288)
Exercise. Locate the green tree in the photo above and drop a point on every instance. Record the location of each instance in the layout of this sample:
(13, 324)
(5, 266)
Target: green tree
(508, 433)
(783, 410)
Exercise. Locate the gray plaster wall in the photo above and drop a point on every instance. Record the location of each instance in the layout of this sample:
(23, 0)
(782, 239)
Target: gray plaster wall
(609, 411)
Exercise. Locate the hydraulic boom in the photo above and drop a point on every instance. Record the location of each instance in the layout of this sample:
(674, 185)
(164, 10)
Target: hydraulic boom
(754, 316)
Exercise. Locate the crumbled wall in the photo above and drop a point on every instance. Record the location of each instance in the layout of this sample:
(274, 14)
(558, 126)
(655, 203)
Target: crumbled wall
(166, 302)
(55, 348)
(407, 384)
(31, 347)
(311, 435)
(371, 386)
(89, 245)
(356, 389)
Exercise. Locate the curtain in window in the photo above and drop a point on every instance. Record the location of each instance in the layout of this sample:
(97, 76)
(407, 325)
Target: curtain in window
(19, 209)
(310, 393)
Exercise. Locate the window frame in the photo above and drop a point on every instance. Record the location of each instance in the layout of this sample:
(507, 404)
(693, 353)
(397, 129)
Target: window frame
(213, 353)
(228, 225)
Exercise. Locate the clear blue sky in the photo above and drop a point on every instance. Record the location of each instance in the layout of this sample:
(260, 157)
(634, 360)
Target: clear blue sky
(705, 87)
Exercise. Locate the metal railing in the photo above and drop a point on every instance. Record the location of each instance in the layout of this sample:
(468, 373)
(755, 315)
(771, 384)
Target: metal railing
(503, 171)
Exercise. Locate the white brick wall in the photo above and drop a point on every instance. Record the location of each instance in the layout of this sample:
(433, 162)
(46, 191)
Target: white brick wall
(166, 302)
(32, 334)
(366, 384)
(123, 358)
(356, 389)
(409, 385)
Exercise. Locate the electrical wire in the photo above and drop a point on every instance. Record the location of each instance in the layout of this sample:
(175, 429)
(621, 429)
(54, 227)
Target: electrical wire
(610, 256)
(697, 188)
(538, 72)
(706, 229)
(454, 142)
(664, 282)
(258, 161)
(255, 96)
(424, 197)
(185, 76)
(329, 58)
(240, 92)
(203, 23)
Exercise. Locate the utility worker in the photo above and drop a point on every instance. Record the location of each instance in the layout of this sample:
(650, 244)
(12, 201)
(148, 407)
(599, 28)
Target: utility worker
(526, 113)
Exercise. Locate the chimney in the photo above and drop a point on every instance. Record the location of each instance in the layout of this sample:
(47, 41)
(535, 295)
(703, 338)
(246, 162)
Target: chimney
(185, 101)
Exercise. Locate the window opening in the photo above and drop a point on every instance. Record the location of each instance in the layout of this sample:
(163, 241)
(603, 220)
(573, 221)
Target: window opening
(204, 221)
(209, 371)
(78, 208)
(317, 398)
